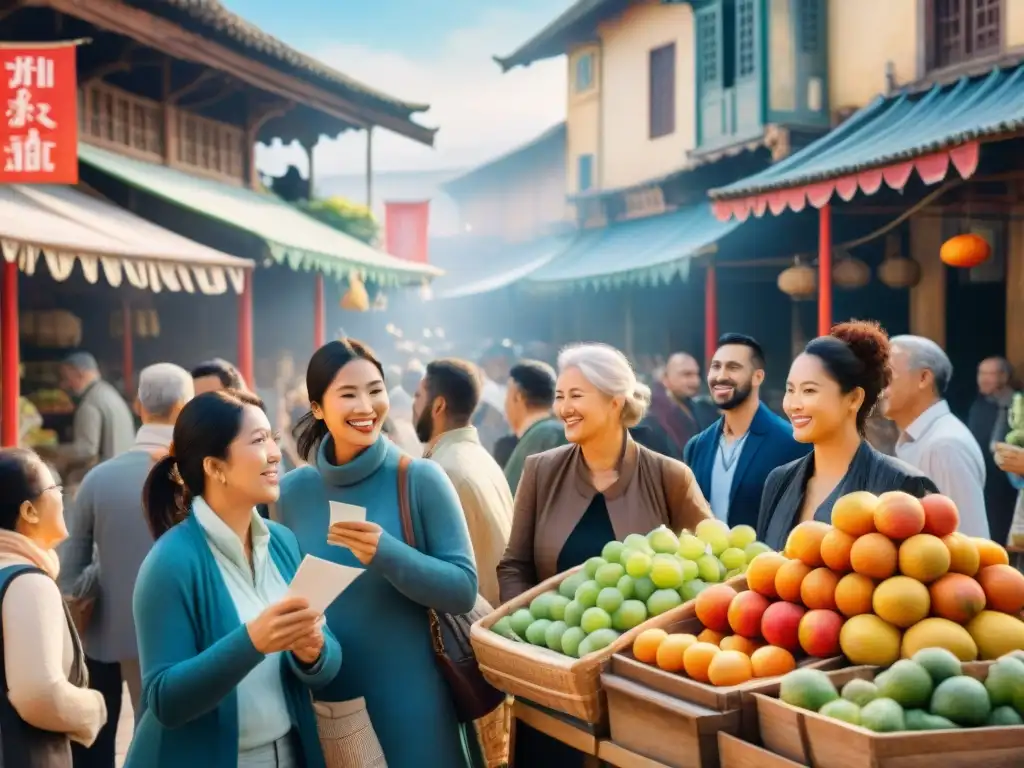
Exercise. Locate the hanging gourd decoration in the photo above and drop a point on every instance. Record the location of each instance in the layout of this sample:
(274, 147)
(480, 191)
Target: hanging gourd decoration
(356, 298)
(965, 251)
(896, 270)
(850, 273)
(799, 282)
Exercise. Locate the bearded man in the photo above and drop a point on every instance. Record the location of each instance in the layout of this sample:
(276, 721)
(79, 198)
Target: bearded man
(731, 459)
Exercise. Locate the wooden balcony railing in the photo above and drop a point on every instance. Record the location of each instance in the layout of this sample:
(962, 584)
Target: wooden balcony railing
(133, 125)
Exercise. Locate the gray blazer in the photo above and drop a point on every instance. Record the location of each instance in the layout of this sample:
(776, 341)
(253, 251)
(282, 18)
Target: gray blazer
(107, 517)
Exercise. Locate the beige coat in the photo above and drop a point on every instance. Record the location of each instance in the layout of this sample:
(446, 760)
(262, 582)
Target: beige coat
(485, 496)
(556, 491)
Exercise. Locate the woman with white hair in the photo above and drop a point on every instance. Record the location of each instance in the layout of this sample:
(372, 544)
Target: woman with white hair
(602, 486)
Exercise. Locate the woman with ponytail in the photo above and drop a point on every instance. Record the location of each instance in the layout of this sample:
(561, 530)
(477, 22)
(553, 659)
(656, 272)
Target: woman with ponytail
(227, 658)
(833, 387)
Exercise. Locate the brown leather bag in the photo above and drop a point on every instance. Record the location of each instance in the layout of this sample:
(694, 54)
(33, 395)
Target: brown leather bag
(473, 696)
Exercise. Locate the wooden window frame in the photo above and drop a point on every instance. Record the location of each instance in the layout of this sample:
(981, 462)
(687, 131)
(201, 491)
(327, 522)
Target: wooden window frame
(661, 97)
(929, 20)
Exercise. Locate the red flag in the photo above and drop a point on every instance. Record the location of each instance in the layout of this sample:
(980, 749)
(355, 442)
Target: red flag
(39, 129)
(405, 230)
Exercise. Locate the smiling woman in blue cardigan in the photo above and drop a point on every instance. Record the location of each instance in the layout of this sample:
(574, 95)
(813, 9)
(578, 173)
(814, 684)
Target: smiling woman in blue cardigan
(227, 659)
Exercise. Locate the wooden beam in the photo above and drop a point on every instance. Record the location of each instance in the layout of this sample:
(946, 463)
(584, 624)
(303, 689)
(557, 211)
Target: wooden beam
(172, 39)
(205, 76)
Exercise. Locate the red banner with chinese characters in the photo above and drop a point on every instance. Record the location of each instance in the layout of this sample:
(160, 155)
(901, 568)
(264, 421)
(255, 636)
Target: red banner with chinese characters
(405, 230)
(39, 130)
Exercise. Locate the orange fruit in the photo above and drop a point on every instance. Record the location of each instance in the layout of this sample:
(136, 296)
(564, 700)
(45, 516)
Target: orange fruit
(990, 553)
(874, 555)
(788, 579)
(730, 668)
(697, 658)
(771, 661)
(804, 542)
(645, 647)
(964, 556)
(761, 573)
(835, 550)
(853, 594)
(854, 513)
(1004, 588)
(902, 601)
(899, 515)
(712, 636)
(941, 517)
(739, 643)
(818, 589)
(924, 557)
(670, 652)
(957, 597)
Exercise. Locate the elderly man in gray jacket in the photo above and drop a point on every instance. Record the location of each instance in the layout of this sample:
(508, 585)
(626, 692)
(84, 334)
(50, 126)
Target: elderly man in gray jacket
(108, 541)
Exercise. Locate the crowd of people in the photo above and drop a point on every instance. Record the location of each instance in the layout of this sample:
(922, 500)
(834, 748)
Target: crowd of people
(169, 573)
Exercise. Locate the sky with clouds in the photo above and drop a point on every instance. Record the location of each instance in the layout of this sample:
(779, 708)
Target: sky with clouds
(428, 51)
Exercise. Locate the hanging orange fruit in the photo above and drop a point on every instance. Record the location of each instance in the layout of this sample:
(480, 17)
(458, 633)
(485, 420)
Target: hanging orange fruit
(965, 251)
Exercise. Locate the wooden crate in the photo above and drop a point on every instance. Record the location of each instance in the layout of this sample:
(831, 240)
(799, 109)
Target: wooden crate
(718, 699)
(823, 742)
(551, 679)
(736, 753)
(675, 733)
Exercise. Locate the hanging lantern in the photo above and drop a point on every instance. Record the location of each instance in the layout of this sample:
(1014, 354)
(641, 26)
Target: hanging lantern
(896, 270)
(380, 302)
(355, 299)
(965, 251)
(850, 273)
(154, 323)
(799, 282)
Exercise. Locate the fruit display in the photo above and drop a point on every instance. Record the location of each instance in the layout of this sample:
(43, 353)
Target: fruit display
(926, 692)
(900, 577)
(632, 580)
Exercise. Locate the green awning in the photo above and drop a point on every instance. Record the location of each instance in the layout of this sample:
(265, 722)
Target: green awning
(648, 251)
(292, 237)
(490, 267)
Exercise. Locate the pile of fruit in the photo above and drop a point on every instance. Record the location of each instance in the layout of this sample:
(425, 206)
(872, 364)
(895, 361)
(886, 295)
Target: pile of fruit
(632, 580)
(927, 692)
(899, 577)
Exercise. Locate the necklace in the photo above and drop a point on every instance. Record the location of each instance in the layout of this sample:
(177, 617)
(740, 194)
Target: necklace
(728, 459)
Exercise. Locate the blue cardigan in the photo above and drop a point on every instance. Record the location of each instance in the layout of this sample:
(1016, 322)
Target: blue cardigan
(769, 444)
(194, 650)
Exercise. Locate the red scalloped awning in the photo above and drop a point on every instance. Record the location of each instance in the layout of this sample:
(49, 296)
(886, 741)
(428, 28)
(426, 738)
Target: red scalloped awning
(932, 169)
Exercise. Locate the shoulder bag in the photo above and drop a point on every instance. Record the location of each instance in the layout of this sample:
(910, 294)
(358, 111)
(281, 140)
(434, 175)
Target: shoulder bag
(472, 695)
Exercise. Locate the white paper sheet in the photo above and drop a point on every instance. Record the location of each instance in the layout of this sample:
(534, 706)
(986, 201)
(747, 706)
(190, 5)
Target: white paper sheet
(347, 513)
(321, 582)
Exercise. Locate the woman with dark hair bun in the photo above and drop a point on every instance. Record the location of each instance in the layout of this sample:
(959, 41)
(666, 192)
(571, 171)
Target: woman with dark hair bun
(227, 658)
(832, 388)
(45, 701)
(391, 680)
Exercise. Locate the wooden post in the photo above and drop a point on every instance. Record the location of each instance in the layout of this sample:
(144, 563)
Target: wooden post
(169, 113)
(1015, 291)
(10, 364)
(127, 350)
(245, 362)
(710, 313)
(928, 297)
(825, 270)
(319, 315)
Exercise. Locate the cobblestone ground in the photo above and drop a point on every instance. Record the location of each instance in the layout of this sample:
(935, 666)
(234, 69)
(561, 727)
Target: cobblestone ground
(124, 728)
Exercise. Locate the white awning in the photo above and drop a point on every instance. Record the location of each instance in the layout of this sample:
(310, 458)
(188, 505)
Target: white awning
(65, 225)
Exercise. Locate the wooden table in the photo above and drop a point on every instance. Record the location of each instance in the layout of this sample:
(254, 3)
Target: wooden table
(583, 737)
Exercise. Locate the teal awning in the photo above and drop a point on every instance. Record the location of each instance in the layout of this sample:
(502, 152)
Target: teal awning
(648, 251)
(484, 267)
(924, 131)
(292, 237)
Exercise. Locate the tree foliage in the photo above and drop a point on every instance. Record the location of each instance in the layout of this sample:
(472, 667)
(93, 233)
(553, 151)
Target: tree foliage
(351, 218)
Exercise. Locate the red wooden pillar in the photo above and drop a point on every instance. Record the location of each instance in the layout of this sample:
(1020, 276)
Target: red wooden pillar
(10, 363)
(825, 270)
(319, 316)
(245, 366)
(710, 313)
(127, 350)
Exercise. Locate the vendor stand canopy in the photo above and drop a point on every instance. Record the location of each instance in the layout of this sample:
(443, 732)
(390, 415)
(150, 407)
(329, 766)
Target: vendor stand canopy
(64, 225)
(500, 265)
(292, 237)
(924, 131)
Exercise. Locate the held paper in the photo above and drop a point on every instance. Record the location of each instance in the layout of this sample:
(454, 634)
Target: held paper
(321, 582)
(347, 513)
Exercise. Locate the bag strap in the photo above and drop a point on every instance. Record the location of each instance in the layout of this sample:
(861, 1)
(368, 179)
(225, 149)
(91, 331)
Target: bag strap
(404, 508)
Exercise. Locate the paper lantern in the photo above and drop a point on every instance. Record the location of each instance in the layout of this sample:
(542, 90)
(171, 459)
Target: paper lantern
(356, 298)
(899, 272)
(798, 282)
(850, 273)
(965, 251)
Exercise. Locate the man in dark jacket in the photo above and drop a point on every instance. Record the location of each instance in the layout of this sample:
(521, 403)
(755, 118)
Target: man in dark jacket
(675, 406)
